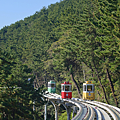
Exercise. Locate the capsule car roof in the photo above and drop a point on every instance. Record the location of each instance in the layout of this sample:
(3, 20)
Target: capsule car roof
(88, 82)
(67, 83)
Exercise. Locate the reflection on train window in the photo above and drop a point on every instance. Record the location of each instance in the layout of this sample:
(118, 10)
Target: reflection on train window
(62, 88)
(70, 88)
(66, 88)
(49, 85)
(89, 87)
(52, 85)
(84, 88)
(93, 88)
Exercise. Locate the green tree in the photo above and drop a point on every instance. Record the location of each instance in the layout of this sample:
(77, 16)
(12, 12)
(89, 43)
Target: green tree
(107, 24)
(17, 93)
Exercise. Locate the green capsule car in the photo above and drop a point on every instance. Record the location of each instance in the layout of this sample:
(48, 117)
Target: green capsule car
(51, 86)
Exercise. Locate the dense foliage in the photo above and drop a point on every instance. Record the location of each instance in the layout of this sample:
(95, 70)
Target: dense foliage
(74, 40)
(16, 92)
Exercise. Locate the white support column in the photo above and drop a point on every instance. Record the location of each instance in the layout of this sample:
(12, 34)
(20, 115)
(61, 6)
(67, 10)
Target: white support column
(73, 114)
(45, 114)
(56, 110)
(68, 109)
(74, 110)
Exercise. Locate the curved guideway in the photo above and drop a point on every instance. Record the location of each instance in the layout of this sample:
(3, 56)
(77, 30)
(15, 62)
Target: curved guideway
(82, 108)
(115, 110)
(100, 114)
(106, 108)
(90, 114)
(107, 112)
(84, 111)
(90, 110)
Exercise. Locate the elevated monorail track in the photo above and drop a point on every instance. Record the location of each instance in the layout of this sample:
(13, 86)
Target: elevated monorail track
(88, 110)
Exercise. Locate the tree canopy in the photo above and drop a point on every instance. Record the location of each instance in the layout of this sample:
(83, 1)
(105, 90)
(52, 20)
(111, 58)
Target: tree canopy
(73, 40)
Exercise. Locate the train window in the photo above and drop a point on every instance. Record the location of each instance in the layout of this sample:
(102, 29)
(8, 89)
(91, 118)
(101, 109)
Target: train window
(67, 88)
(84, 88)
(49, 85)
(70, 88)
(62, 88)
(52, 85)
(89, 87)
(93, 88)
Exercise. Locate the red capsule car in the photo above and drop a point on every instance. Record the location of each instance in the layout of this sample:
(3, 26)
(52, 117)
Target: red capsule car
(66, 90)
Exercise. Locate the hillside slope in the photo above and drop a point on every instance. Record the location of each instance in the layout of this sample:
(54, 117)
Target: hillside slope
(73, 40)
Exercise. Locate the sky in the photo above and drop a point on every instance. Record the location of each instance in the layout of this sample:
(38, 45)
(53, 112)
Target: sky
(12, 11)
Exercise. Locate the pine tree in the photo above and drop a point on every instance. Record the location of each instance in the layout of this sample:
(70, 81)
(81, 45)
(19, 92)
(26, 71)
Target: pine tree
(17, 93)
(107, 24)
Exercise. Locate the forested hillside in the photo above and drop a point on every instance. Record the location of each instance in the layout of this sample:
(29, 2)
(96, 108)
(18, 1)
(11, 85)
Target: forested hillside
(16, 92)
(73, 40)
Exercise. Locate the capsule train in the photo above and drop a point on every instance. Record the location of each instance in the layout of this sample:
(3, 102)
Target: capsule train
(66, 90)
(51, 86)
(88, 91)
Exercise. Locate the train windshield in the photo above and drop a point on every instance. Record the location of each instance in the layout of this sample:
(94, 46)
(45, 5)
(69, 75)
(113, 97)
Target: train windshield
(68, 88)
(89, 87)
(52, 85)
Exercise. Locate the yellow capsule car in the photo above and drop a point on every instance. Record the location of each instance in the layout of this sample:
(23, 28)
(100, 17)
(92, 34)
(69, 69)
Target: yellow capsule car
(88, 91)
